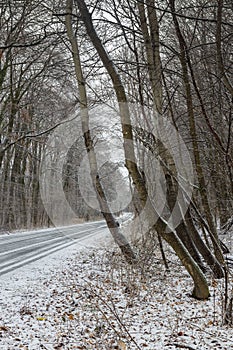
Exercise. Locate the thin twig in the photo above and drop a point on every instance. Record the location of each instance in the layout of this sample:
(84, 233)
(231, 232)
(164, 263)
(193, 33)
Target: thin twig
(183, 346)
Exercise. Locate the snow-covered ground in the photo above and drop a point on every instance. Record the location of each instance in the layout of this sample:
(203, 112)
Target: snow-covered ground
(86, 297)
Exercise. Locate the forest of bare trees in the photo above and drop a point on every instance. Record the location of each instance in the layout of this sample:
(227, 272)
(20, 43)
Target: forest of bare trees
(160, 66)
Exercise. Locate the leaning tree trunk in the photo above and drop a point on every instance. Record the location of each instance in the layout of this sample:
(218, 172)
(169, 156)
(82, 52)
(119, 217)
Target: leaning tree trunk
(206, 253)
(110, 220)
(181, 229)
(201, 289)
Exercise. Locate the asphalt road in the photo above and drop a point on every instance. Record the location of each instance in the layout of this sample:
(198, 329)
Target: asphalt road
(23, 248)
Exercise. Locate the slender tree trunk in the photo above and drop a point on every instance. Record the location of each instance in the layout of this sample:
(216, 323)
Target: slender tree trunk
(151, 41)
(222, 72)
(181, 229)
(206, 253)
(105, 209)
(193, 133)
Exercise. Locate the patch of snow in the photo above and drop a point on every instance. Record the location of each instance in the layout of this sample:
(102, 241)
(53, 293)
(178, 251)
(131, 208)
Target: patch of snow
(86, 297)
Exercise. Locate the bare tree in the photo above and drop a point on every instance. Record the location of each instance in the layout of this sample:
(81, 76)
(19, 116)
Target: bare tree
(201, 288)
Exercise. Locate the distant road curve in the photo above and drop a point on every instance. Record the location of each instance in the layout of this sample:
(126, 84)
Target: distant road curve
(22, 248)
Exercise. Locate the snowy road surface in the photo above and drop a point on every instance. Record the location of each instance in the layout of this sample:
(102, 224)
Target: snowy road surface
(22, 248)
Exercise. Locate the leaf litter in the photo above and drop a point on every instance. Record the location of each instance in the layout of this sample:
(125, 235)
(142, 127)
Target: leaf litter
(93, 300)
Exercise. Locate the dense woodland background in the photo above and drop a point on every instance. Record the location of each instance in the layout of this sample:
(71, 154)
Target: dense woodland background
(38, 90)
(174, 56)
